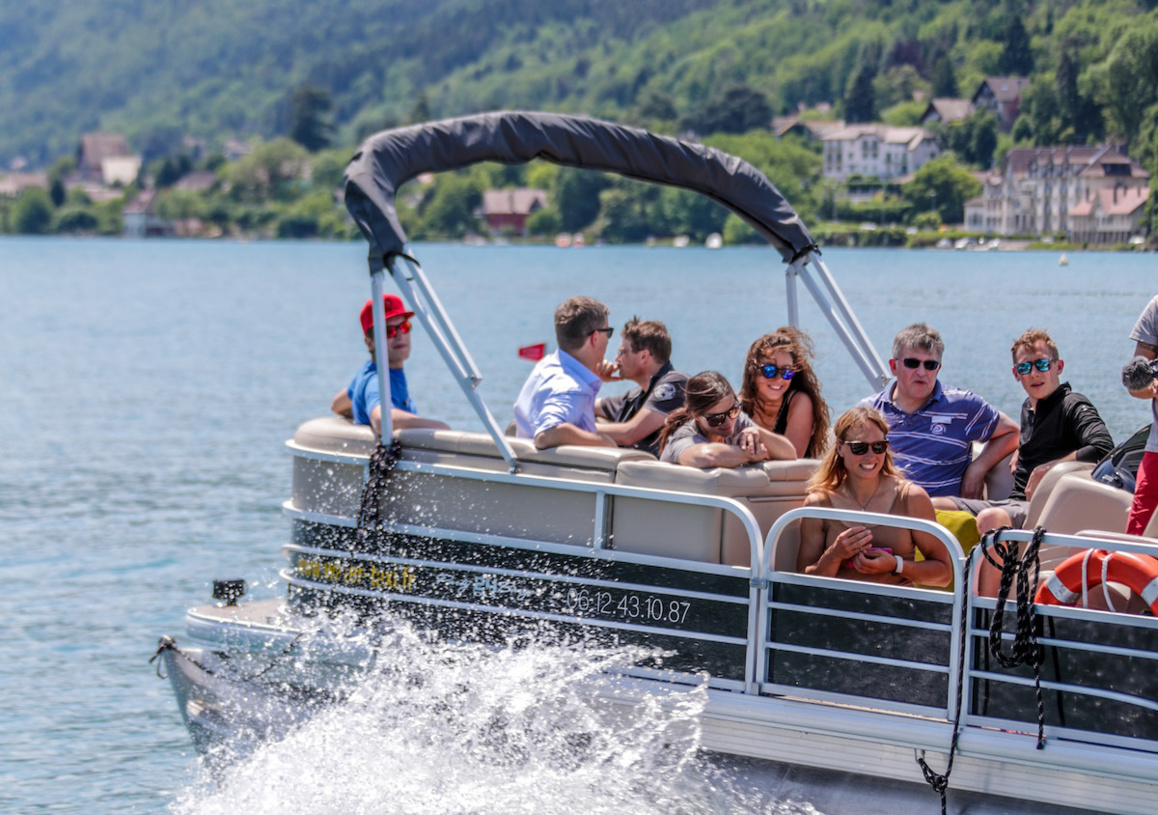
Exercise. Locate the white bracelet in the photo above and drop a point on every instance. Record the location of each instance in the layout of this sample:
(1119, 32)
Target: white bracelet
(900, 564)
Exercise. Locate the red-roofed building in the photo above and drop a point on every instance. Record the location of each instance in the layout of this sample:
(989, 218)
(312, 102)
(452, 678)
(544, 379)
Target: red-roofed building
(508, 210)
(1110, 215)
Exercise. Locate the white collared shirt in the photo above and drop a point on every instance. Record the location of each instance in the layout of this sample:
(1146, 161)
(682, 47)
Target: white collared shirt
(560, 389)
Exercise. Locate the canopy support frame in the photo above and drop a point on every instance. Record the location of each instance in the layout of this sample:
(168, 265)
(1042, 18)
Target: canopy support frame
(827, 294)
(424, 302)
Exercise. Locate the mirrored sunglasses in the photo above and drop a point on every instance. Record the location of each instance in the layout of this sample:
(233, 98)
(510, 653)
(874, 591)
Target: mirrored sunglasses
(1042, 365)
(392, 330)
(859, 448)
(771, 372)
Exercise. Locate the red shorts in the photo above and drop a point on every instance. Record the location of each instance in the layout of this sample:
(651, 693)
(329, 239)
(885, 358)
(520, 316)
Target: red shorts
(1145, 495)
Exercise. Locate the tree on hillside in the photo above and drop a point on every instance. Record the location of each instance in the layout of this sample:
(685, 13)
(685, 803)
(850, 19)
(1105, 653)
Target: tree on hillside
(737, 110)
(859, 99)
(1039, 104)
(944, 80)
(973, 139)
(1016, 55)
(1079, 114)
(32, 214)
(577, 196)
(653, 104)
(421, 110)
(272, 171)
(309, 126)
(448, 209)
(1127, 81)
(942, 180)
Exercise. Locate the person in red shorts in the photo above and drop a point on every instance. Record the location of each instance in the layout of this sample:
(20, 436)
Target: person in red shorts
(1145, 334)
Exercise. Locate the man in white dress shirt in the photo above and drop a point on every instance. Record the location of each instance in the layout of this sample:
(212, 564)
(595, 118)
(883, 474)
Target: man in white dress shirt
(557, 403)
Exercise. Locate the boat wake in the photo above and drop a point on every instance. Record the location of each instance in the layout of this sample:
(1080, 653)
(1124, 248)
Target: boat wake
(439, 728)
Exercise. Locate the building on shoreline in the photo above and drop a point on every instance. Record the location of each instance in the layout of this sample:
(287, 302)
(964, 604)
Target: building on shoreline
(1089, 194)
(877, 150)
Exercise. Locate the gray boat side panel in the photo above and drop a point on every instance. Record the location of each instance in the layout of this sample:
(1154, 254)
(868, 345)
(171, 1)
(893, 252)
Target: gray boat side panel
(387, 160)
(1111, 656)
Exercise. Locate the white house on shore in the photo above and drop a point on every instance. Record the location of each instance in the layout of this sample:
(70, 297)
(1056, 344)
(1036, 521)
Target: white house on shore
(1089, 194)
(877, 150)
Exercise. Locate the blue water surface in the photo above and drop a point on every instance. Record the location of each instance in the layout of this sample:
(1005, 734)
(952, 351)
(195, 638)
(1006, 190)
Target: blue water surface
(146, 390)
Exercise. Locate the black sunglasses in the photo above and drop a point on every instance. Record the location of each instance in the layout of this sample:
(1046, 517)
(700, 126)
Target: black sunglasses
(1042, 365)
(717, 419)
(859, 448)
(914, 363)
(771, 371)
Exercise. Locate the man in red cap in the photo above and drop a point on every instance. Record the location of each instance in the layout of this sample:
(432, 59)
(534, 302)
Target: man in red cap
(360, 401)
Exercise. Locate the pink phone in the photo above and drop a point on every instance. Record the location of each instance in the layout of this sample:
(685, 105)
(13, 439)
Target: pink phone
(872, 550)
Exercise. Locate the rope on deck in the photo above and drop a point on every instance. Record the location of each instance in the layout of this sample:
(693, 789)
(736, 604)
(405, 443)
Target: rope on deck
(1025, 649)
(372, 512)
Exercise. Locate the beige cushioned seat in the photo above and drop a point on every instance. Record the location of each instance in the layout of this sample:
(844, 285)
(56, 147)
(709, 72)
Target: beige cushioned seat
(705, 533)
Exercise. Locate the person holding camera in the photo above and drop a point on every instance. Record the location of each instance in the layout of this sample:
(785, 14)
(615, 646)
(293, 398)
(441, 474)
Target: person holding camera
(1139, 378)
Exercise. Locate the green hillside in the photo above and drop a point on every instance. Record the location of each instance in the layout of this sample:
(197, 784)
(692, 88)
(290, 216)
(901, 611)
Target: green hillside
(221, 68)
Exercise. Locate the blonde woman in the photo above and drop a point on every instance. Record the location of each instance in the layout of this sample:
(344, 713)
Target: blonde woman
(858, 473)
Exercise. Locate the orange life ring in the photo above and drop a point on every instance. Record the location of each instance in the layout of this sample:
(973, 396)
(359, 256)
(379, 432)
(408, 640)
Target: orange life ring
(1138, 572)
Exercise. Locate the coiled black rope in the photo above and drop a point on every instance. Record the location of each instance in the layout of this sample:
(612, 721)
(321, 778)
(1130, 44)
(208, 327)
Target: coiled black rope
(372, 511)
(1017, 569)
(940, 781)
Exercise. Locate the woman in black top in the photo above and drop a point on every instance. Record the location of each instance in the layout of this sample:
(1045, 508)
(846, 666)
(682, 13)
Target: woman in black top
(781, 393)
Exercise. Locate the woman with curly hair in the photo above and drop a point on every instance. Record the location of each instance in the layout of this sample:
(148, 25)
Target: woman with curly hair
(858, 473)
(781, 392)
(711, 430)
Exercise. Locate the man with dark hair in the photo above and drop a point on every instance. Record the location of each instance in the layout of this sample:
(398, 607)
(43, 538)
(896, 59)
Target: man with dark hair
(557, 403)
(1057, 425)
(360, 401)
(932, 428)
(634, 418)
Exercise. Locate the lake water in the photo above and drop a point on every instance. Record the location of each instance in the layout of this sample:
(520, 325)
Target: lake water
(146, 390)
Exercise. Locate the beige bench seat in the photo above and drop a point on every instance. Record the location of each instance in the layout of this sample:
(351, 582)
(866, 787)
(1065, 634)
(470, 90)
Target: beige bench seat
(524, 511)
(698, 532)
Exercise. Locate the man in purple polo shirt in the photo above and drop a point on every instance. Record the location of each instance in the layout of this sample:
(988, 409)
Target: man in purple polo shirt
(931, 427)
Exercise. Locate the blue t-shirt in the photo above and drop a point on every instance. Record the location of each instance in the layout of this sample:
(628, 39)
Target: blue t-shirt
(363, 392)
(933, 445)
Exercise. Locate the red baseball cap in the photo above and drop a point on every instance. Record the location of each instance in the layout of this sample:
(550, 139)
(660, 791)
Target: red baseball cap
(394, 308)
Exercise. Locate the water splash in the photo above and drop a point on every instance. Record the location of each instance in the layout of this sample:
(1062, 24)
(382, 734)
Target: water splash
(472, 730)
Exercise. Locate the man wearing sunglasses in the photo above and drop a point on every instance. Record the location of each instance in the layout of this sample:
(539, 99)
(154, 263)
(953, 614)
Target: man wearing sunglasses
(1057, 425)
(557, 403)
(634, 418)
(360, 401)
(932, 428)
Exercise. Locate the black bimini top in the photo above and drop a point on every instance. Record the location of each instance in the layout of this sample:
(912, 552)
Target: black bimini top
(388, 159)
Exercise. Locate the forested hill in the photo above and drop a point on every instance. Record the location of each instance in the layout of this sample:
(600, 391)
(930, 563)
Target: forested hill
(158, 71)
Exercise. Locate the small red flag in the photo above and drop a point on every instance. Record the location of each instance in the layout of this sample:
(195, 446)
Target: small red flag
(533, 352)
